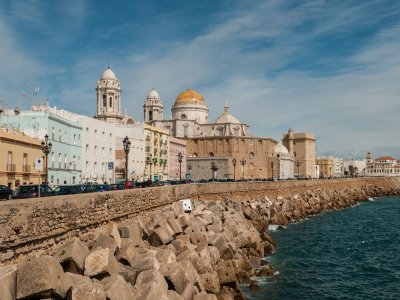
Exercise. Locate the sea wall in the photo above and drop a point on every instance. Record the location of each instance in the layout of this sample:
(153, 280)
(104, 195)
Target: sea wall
(31, 226)
(142, 245)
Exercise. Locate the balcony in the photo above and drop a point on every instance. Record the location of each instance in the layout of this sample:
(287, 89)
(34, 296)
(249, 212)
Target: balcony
(147, 138)
(11, 168)
(26, 169)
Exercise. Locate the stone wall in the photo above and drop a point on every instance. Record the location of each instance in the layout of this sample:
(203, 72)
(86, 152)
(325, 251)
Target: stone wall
(30, 227)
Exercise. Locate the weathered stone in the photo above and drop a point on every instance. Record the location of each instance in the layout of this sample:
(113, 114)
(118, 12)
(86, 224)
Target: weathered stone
(192, 228)
(255, 261)
(172, 295)
(191, 275)
(184, 220)
(116, 288)
(151, 284)
(198, 238)
(111, 230)
(205, 297)
(202, 265)
(265, 271)
(160, 236)
(210, 282)
(226, 275)
(145, 262)
(73, 280)
(127, 252)
(72, 255)
(176, 227)
(86, 291)
(243, 277)
(175, 276)
(165, 256)
(127, 273)
(131, 230)
(8, 282)
(40, 277)
(103, 241)
(254, 287)
(101, 263)
(154, 277)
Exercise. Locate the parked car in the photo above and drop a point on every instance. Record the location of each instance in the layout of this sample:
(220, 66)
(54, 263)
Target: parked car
(117, 186)
(6, 193)
(68, 189)
(31, 191)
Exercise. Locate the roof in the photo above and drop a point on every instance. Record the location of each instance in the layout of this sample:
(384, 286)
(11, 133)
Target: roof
(190, 97)
(385, 158)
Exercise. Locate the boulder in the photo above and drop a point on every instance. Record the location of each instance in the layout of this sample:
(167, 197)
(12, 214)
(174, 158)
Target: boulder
(127, 252)
(198, 238)
(8, 282)
(73, 280)
(150, 285)
(131, 230)
(86, 291)
(40, 277)
(165, 256)
(72, 255)
(152, 277)
(145, 262)
(175, 276)
(265, 271)
(172, 295)
(210, 282)
(103, 241)
(127, 273)
(174, 224)
(111, 230)
(160, 236)
(116, 288)
(205, 297)
(101, 263)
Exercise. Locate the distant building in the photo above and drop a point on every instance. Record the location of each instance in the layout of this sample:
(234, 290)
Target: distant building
(283, 163)
(18, 153)
(337, 166)
(325, 167)
(382, 166)
(302, 147)
(177, 146)
(355, 167)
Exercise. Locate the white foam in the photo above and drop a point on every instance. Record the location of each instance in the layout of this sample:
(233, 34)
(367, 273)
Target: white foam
(371, 199)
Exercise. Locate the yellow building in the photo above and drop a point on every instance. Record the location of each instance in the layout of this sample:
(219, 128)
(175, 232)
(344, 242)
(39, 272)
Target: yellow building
(17, 158)
(325, 167)
(156, 153)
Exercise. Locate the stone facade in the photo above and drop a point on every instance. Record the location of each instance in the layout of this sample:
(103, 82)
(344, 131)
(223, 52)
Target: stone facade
(177, 146)
(18, 153)
(382, 166)
(156, 153)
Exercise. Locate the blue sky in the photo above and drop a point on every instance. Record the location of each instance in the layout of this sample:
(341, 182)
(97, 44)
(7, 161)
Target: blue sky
(327, 67)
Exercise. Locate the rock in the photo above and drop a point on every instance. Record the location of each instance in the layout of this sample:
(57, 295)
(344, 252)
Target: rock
(72, 256)
(131, 229)
(176, 227)
(40, 277)
(73, 280)
(127, 273)
(150, 285)
(210, 282)
(8, 282)
(175, 276)
(153, 277)
(103, 241)
(165, 256)
(226, 275)
(145, 262)
(205, 297)
(101, 263)
(86, 291)
(172, 295)
(111, 230)
(265, 271)
(160, 236)
(198, 238)
(127, 252)
(116, 288)
(254, 287)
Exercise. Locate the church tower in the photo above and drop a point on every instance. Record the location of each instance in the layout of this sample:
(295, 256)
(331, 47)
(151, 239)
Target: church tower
(108, 92)
(153, 107)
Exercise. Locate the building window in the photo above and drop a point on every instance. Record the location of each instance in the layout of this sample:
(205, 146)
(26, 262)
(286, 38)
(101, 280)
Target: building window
(104, 101)
(65, 137)
(110, 153)
(65, 161)
(74, 139)
(102, 136)
(95, 134)
(59, 135)
(53, 132)
(87, 148)
(87, 166)
(103, 152)
(59, 160)
(95, 150)
(87, 131)
(95, 166)
(52, 159)
(110, 101)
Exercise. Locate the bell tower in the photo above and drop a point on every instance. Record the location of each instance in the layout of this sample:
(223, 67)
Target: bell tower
(153, 107)
(108, 92)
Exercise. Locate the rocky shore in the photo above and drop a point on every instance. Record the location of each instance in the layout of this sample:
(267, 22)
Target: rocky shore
(171, 254)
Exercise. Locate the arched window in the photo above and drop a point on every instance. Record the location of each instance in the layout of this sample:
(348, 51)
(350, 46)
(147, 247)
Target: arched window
(110, 101)
(150, 115)
(211, 154)
(195, 154)
(104, 101)
(184, 117)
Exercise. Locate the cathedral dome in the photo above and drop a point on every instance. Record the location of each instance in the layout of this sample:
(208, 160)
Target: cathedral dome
(281, 150)
(190, 97)
(153, 94)
(108, 74)
(226, 117)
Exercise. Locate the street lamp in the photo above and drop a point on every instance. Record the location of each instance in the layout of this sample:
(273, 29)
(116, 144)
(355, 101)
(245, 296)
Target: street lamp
(180, 157)
(234, 169)
(46, 148)
(243, 162)
(127, 146)
(298, 164)
(214, 169)
(190, 175)
(272, 167)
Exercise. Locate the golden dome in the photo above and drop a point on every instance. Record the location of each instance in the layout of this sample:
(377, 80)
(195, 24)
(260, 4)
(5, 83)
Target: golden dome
(190, 97)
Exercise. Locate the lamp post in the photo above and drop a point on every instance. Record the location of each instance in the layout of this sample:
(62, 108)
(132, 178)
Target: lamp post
(234, 169)
(127, 146)
(243, 162)
(46, 148)
(214, 169)
(190, 175)
(150, 163)
(298, 164)
(272, 167)
(180, 157)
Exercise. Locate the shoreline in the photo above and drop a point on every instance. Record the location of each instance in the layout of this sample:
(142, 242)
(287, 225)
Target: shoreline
(206, 254)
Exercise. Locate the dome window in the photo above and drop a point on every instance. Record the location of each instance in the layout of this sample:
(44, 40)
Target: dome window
(184, 117)
(251, 155)
(211, 154)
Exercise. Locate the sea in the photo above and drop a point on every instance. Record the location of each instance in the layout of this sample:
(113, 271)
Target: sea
(353, 253)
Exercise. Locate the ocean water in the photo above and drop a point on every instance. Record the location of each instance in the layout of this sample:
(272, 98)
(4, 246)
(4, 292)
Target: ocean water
(352, 253)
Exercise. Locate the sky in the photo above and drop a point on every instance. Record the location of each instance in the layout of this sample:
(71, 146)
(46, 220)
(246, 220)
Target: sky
(329, 67)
